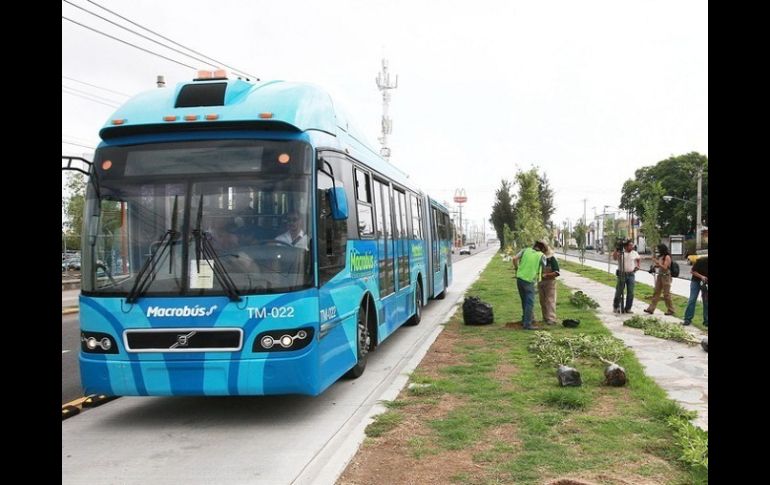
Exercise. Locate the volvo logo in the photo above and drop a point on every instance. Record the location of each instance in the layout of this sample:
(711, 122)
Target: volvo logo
(183, 340)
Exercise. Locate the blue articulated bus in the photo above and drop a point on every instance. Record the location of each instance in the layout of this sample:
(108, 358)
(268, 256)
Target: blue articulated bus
(240, 239)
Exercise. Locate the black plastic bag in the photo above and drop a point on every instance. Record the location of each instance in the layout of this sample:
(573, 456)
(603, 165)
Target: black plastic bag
(568, 376)
(477, 312)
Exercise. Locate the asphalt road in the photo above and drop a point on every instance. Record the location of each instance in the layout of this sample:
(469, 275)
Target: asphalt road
(70, 372)
(684, 268)
(256, 440)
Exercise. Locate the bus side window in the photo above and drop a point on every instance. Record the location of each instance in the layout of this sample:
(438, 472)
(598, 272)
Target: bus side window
(364, 204)
(332, 235)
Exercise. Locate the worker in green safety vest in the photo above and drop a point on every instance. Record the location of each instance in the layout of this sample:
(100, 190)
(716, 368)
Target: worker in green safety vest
(529, 264)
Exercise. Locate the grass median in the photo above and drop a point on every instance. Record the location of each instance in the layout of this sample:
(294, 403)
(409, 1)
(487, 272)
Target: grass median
(479, 411)
(642, 291)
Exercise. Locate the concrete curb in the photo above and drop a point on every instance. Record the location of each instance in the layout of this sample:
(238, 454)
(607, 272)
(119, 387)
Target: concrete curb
(331, 461)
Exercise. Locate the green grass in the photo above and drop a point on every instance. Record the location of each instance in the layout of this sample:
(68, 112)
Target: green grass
(383, 423)
(544, 431)
(642, 291)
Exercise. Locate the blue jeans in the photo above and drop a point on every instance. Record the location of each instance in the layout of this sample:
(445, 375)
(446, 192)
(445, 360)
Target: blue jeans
(689, 313)
(527, 294)
(629, 284)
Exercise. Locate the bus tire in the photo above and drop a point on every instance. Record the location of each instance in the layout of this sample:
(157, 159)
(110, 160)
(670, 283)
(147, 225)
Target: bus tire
(442, 295)
(363, 340)
(415, 319)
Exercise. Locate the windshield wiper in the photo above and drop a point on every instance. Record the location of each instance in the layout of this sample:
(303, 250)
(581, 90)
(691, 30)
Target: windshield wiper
(204, 247)
(147, 273)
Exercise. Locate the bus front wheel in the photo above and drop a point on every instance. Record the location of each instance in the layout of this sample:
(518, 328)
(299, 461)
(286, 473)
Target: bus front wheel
(363, 340)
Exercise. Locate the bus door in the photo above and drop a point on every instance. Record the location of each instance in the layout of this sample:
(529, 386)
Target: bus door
(401, 241)
(435, 243)
(385, 253)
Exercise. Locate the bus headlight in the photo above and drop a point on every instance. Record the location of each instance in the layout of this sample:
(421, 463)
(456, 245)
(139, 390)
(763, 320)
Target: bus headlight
(97, 343)
(293, 339)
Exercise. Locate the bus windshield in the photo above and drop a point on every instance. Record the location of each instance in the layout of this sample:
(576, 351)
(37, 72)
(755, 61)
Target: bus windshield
(199, 218)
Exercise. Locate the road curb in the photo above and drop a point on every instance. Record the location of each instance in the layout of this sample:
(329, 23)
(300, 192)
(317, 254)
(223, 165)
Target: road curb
(331, 461)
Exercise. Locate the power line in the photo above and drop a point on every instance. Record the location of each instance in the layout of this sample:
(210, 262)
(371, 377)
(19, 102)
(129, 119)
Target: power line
(139, 34)
(219, 63)
(129, 43)
(77, 138)
(109, 100)
(89, 99)
(77, 144)
(95, 86)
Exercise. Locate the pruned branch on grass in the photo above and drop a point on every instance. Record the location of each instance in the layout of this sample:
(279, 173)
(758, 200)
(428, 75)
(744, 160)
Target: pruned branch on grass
(656, 328)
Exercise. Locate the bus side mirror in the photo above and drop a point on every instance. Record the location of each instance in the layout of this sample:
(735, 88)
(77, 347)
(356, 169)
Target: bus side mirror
(339, 202)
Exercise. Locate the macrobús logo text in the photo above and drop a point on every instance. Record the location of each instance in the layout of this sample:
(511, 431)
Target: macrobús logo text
(361, 264)
(185, 311)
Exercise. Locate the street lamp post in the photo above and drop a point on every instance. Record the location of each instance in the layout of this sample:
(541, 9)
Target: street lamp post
(698, 227)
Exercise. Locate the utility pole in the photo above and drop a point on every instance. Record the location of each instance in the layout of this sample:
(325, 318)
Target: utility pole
(460, 198)
(384, 85)
(698, 227)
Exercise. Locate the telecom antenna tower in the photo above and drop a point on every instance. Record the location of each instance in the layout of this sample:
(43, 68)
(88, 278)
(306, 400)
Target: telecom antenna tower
(384, 85)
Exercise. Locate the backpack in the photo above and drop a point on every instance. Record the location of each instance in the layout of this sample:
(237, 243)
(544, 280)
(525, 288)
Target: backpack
(674, 269)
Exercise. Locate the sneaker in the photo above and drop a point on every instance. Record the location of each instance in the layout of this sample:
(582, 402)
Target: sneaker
(687, 322)
(648, 311)
(629, 311)
(669, 313)
(616, 310)
(550, 322)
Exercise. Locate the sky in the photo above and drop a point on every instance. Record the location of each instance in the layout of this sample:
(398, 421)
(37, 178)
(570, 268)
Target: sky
(587, 92)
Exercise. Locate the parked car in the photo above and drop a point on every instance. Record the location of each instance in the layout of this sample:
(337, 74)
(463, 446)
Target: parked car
(698, 254)
(465, 250)
(73, 263)
(472, 246)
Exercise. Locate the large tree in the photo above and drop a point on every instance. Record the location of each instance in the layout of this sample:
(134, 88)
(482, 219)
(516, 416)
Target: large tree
(502, 211)
(529, 225)
(677, 176)
(73, 203)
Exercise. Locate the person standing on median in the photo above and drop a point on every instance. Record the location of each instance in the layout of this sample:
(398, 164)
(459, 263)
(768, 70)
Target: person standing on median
(698, 284)
(663, 281)
(547, 286)
(631, 263)
(529, 264)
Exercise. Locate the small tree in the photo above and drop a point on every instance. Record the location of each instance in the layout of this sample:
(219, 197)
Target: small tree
(652, 197)
(579, 232)
(509, 243)
(529, 225)
(502, 211)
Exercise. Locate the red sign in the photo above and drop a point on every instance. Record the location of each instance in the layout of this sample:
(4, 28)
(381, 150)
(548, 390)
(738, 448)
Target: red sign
(460, 199)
